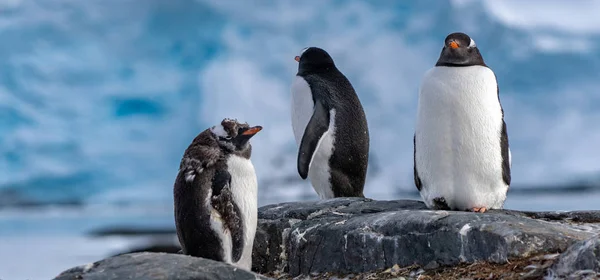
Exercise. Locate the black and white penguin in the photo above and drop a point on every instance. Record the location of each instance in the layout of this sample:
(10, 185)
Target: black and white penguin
(330, 127)
(215, 195)
(462, 159)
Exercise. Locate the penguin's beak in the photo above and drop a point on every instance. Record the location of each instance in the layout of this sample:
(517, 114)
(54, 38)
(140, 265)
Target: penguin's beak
(253, 130)
(245, 134)
(453, 45)
(297, 58)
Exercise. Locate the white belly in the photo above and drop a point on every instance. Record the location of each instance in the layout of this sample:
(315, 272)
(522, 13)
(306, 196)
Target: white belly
(302, 111)
(302, 107)
(458, 129)
(244, 189)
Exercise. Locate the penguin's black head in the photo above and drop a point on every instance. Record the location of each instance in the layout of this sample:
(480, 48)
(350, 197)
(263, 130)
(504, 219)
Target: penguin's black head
(314, 59)
(234, 137)
(460, 50)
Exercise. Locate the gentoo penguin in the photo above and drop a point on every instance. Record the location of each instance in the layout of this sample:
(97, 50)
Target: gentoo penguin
(330, 127)
(215, 195)
(461, 156)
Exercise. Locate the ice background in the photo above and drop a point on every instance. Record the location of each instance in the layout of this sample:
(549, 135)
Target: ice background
(99, 99)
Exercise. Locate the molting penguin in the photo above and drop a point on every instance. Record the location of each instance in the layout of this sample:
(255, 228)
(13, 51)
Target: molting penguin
(330, 127)
(215, 195)
(462, 159)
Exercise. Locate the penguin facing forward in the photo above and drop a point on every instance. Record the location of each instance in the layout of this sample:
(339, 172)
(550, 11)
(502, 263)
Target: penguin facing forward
(215, 195)
(329, 126)
(462, 158)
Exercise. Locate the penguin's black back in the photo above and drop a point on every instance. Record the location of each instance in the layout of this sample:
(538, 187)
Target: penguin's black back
(348, 163)
(193, 218)
(208, 164)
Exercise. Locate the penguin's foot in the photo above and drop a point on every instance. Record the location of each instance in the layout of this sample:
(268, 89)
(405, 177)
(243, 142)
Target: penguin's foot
(478, 209)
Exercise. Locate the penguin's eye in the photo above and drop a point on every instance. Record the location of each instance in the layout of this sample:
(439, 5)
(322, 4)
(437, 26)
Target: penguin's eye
(227, 137)
(472, 44)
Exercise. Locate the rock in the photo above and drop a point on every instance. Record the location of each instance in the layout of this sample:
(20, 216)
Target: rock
(356, 235)
(580, 260)
(155, 248)
(156, 266)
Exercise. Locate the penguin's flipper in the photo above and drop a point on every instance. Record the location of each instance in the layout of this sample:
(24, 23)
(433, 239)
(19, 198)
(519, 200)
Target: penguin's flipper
(222, 201)
(418, 182)
(504, 147)
(506, 157)
(316, 127)
(189, 211)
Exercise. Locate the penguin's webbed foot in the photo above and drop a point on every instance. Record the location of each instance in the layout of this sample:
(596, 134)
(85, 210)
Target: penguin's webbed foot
(479, 209)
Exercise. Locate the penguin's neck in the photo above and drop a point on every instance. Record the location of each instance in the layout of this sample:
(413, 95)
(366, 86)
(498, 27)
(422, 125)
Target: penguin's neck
(307, 69)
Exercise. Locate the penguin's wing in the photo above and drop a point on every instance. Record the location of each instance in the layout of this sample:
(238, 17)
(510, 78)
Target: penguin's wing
(190, 212)
(418, 182)
(506, 156)
(316, 127)
(222, 201)
(504, 147)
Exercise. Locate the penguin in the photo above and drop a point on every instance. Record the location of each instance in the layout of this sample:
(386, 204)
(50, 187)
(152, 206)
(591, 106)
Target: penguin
(462, 159)
(330, 127)
(215, 195)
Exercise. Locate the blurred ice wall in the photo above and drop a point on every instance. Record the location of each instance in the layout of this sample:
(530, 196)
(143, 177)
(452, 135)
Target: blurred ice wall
(99, 98)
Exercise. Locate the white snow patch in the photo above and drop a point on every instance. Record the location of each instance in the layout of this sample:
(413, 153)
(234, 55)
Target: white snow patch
(87, 267)
(465, 229)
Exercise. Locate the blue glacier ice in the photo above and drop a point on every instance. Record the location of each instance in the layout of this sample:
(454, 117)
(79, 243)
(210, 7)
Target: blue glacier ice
(99, 98)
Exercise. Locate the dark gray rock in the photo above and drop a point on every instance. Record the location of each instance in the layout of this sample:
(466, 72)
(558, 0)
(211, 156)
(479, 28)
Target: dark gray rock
(162, 266)
(354, 235)
(580, 261)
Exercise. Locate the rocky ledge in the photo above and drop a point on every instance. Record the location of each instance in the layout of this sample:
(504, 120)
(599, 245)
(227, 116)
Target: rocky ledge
(581, 260)
(149, 266)
(353, 236)
(357, 238)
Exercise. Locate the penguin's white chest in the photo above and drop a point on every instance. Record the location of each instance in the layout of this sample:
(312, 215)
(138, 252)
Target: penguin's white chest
(302, 107)
(458, 153)
(302, 111)
(244, 190)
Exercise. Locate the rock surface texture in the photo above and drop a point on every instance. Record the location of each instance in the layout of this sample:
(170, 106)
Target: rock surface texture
(156, 266)
(386, 239)
(582, 260)
(355, 235)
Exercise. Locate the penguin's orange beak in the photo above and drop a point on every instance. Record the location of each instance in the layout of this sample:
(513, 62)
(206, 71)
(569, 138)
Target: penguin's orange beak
(252, 130)
(297, 58)
(453, 45)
